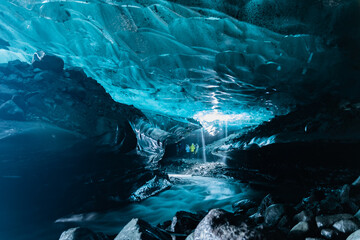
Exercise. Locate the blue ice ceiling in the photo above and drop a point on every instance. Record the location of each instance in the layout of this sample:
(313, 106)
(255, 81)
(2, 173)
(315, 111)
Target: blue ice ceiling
(168, 58)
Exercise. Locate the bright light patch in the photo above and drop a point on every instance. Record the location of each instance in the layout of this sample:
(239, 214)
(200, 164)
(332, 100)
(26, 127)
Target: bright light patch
(212, 120)
(216, 116)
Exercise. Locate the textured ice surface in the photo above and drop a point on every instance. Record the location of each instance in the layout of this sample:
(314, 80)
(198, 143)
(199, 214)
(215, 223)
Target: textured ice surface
(168, 58)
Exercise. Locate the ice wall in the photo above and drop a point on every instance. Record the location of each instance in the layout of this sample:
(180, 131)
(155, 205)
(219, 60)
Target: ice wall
(171, 59)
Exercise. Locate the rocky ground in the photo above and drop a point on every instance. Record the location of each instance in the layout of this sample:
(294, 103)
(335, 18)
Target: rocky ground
(324, 213)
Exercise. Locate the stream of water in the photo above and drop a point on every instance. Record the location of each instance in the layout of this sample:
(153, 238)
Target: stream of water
(189, 193)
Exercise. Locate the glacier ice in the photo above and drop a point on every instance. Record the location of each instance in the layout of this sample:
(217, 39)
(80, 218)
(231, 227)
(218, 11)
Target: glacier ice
(168, 58)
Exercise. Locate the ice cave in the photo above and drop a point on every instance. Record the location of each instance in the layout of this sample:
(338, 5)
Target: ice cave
(179, 119)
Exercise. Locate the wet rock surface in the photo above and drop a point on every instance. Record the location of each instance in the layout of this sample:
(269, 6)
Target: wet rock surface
(243, 205)
(219, 224)
(81, 234)
(158, 183)
(185, 222)
(273, 214)
(138, 229)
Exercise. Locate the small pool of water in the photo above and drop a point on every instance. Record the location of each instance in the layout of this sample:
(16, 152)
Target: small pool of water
(189, 193)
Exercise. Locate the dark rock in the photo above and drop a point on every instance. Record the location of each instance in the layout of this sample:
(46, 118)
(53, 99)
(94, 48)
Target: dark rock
(356, 183)
(265, 203)
(350, 207)
(345, 193)
(317, 195)
(354, 236)
(10, 111)
(220, 225)
(256, 217)
(283, 223)
(152, 187)
(251, 211)
(329, 233)
(165, 225)
(273, 214)
(185, 222)
(82, 234)
(346, 226)
(357, 215)
(243, 205)
(304, 216)
(300, 230)
(330, 205)
(138, 229)
(47, 62)
(329, 220)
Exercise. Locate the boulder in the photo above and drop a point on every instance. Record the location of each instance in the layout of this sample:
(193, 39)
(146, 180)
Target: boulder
(328, 233)
(185, 222)
(350, 207)
(303, 216)
(300, 230)
(220, 225)
(265, 203)
(283, 223)
(256, 217)
(345, 193)
(190, 237)
(165, 225)
(243, 205)
(346, 226)
(357, 215)
(251, 211)
(329, 220)
(316, 195)
(157, 184)
(330, 205)
(273, 214)
(138, 229)
(47, 62)
(80, 233)
(354, 236)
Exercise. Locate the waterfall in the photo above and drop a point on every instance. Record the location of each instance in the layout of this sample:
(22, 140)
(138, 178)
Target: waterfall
(203, 144)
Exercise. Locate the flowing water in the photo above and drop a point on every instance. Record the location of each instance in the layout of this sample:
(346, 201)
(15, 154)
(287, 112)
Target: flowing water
(189, 193)
(30, 203)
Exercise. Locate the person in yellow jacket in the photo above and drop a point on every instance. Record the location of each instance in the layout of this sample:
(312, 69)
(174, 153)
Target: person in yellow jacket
(192, 148)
